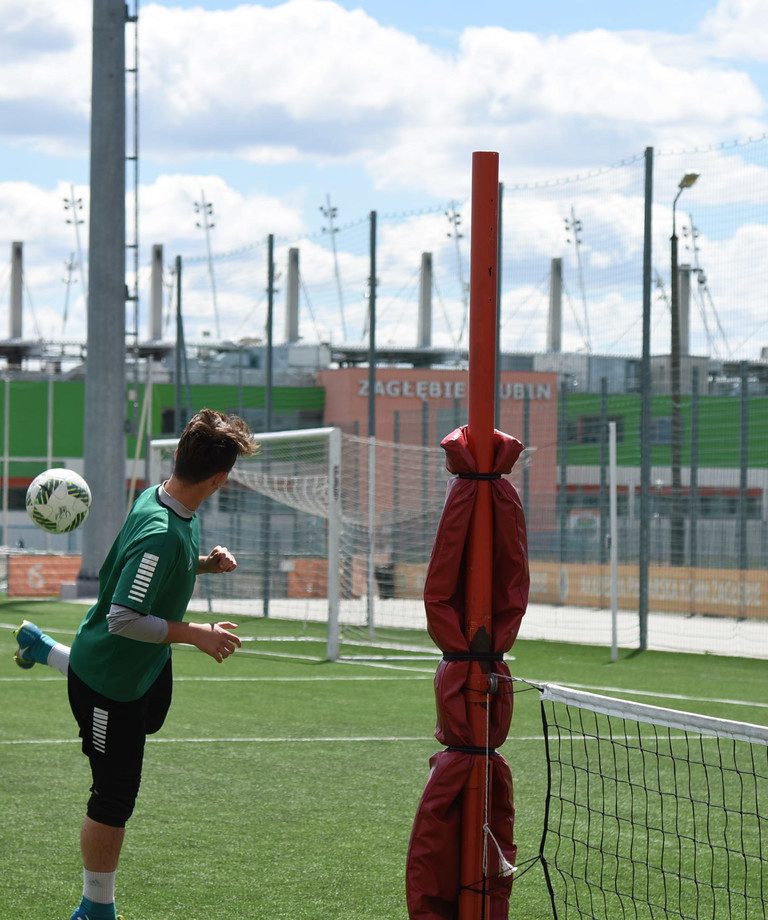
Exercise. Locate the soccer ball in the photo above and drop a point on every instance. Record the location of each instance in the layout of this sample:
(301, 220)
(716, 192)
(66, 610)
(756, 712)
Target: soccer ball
(58, 500)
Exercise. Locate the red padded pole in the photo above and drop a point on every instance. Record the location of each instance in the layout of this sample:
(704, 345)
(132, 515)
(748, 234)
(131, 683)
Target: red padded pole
(474, 904)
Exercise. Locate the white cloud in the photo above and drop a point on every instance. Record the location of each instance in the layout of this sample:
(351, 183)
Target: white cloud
(308, 81)
(168, 213)
(738, 29)
(45, 74)
(310, 84)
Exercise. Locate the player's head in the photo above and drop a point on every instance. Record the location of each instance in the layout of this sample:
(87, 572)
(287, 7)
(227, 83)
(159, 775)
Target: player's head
(210, 444)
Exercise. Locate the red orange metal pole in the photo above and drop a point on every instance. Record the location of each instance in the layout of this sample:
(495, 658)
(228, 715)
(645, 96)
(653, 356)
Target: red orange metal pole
(474, 904)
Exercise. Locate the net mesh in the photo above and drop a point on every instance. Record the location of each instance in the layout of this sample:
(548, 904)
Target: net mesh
(274, 515)
(653, 812)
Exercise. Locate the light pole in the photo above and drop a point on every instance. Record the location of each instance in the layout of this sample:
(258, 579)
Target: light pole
(677, 520)
(205, 210)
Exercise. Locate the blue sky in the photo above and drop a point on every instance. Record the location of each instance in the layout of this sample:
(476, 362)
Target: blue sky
(440, 22)
(268, 108)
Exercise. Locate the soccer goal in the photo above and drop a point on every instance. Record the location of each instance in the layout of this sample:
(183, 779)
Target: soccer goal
(327, 527)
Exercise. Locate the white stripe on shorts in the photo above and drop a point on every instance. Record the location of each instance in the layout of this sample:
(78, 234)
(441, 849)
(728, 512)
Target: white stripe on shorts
(100, 719)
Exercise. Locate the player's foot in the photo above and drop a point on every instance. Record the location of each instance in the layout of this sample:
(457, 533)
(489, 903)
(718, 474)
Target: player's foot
(81, 914)
(34, 645)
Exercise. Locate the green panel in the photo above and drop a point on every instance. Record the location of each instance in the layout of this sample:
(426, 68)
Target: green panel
(719, 430)
(28, 429)
(224, 398)
(28, 433)
(68, 417)
(719, 420)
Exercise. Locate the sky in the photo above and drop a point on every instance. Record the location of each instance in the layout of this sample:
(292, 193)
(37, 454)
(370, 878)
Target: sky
(272, 109)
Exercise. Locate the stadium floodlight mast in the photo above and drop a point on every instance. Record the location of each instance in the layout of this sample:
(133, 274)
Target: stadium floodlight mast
(75, 205)
(677, 524)
(205, 210)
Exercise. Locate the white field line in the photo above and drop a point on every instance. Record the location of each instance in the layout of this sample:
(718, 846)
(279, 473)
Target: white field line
(361, 739)
(408, 674)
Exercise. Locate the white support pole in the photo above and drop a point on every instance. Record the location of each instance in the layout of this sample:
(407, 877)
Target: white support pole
(371, 536)
(6, 450)
(49, 444)
(334, 541)
(614, 541)
(49, 438)
(140, 435)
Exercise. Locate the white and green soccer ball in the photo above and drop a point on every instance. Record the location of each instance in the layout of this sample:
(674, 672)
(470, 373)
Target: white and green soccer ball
(58, 500)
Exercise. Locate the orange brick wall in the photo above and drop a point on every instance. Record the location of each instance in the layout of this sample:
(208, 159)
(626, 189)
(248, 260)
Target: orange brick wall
(40, 576)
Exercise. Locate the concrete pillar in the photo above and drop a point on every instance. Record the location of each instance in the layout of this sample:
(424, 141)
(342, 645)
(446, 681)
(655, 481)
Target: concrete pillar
(292, 298)
(425, 301)
(105, 396)
(156, 294)
(17, 275)
(555, 320)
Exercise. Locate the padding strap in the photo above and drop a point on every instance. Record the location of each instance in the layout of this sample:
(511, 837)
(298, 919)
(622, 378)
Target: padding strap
(477, 751)
(473, 656)
(479, 475)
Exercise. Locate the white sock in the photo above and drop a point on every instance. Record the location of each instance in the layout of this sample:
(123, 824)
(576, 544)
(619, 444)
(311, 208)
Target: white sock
(99, 887)
(58, 658)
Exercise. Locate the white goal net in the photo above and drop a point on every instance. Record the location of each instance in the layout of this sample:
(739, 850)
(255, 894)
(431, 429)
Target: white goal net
(326, 527)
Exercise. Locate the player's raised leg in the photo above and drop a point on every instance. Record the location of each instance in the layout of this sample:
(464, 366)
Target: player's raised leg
(35, 647)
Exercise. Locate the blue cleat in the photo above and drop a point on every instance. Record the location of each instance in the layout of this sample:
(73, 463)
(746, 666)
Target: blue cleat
(34, 645)
(82, 913)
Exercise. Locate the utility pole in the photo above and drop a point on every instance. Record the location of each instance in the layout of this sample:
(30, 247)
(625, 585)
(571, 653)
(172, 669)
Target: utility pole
(574, 227)
(74, 206)
(677, 519)
(329, 212)
(69, 265)
(645, 406)
(454, 219)
(205, 210)
(705, 293)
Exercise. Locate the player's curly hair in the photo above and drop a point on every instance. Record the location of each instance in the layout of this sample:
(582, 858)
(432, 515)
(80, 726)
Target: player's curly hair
(210, 444)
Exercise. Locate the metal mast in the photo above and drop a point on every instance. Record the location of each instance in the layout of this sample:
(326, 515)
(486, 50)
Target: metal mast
(573, 226)
(329, 212)
(205, 210)
(454, 218)
(75, 205)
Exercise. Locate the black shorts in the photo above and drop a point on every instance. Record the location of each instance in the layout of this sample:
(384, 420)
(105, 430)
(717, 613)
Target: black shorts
(113, 735)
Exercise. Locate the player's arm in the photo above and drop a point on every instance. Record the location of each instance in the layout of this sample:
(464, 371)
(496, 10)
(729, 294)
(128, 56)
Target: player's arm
(131, 624)
(220, 559)
(214, 639)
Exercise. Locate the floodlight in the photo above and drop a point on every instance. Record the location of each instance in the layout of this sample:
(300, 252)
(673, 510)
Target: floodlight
(688, 180)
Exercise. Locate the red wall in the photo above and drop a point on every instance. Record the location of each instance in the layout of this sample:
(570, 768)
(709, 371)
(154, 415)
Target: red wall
(408, 390)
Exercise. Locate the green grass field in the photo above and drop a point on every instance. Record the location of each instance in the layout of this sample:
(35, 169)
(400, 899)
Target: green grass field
(283, 788)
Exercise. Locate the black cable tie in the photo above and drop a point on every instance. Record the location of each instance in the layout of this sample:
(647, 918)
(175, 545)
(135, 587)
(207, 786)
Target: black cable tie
(476, 751)
(479, 475)
(473, 656)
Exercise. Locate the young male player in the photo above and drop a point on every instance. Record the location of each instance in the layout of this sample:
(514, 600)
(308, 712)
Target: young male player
(119, 666)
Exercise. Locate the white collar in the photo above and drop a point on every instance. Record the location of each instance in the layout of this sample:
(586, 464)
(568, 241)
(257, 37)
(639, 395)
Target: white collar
(165, 498)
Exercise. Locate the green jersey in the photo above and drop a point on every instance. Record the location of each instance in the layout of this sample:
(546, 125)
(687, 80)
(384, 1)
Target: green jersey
(151, 567)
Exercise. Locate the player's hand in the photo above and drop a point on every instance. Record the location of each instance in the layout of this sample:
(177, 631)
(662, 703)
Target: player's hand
(220, 559)
(216, 640)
